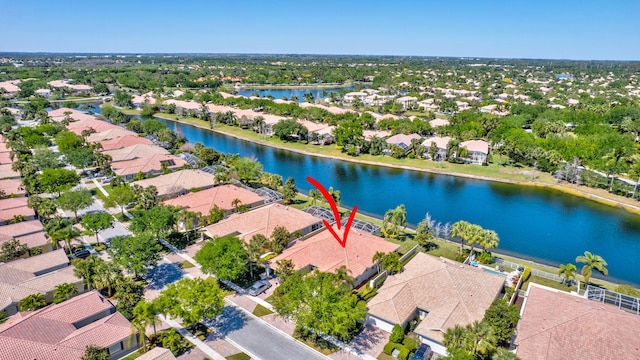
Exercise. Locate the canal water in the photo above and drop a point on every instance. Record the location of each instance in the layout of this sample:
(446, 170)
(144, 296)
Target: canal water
(288, 93)
(544, 225)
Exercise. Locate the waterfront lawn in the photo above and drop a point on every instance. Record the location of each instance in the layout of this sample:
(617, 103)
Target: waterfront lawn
(547, 282)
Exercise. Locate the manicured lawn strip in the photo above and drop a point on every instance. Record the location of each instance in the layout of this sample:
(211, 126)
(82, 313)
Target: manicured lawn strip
(323, 346)
(547, 282)
(261, 311)
(132, 356)
(384, 356)
(239, 356)
(186, 265)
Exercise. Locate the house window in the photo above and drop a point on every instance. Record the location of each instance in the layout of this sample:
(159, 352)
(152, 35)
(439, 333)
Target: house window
(115, 348)
(167, 162)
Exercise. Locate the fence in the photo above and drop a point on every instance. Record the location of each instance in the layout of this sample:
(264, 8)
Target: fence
(623, 302)
(535, 272)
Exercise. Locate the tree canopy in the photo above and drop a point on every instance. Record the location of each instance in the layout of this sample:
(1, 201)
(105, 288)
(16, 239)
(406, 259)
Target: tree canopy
(192, 300)
(225, 257)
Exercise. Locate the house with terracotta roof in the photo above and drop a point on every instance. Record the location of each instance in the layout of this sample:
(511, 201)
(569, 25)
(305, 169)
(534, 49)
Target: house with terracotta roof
(322, 252)
(77, 127)
(178, 182)
(73, 114)
(406, 101)
(77, 89)
(34, 275)
(440, 292)
(15, 207)
(63, 331)
(438, 122)
(140, 101)
(30, 233)
(9, 88)
(12, 187)
(222, 196)
(135, 152)
(123, 142)
(113, 133)
(157, 353)
(263, 221)
(478, 151)
(555, 325)
(441, 144)
(151, 165)
(402, 140)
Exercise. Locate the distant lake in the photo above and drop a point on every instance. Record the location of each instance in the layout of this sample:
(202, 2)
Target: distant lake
(288, 93)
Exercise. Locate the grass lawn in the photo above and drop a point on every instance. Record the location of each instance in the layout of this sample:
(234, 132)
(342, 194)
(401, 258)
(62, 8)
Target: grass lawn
(239, 356)
(132, 356)
(322, 346)
(384, 356)
(186, 265)
(261, 311)
(547, 282)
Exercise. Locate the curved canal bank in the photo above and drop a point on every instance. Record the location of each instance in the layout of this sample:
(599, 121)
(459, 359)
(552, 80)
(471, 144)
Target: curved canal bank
(541, 224)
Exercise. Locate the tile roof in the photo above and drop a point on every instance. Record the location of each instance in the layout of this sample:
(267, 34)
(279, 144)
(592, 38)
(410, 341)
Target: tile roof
(403, 139)
(12, 186)
(559, 325)
(152, 163)
(99, 126)
(7, 173)
(134, 152)
(262, 221)
(222, 196)
(327, 255)
(59, 114)
(476, 145)
(11, 207)
(39, 264)
(123, 142)
(438, 122)
(5, 158)
(451, 293)
(27, 232)
(109, 134)
(50, 333)
(441, 142)
(177, 181)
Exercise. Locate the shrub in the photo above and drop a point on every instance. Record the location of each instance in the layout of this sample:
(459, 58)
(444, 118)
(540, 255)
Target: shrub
(526, 274)
(410, 343)
(397, 334)
(485, 258)
(509, 292)
(390, 346)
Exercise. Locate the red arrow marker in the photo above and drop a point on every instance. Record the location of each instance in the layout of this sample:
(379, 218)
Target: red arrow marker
(336, 213)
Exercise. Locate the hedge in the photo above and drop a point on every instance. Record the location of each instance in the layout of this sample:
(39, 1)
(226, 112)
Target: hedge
(390, 346)
(526, 274)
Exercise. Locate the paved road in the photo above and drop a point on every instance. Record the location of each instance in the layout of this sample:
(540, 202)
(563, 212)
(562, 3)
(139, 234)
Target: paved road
(259, 339)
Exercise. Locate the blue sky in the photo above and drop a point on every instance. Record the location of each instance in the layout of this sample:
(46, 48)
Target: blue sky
(560, 29)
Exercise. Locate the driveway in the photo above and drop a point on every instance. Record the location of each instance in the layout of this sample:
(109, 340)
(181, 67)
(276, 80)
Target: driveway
(257, 338)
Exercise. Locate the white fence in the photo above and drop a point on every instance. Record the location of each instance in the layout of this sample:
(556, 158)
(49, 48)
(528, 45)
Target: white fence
(536, 272)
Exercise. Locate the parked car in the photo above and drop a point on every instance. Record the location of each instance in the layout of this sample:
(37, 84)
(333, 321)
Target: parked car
(81, 254)
(423, 353)
(106, 179)
(259, 287)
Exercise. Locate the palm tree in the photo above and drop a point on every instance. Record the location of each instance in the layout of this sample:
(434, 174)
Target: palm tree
(87, 268)
(377, 259)
(503, 354)
(480, 338)
(461, 230)
(144, 314)
(634, 171)
(314, 195)
(64, 291)
(454, 338)
(172, 340)
(396, 217)
(591, 262)
(259, 124)
(488, 240)
(254, 249)
(66, 234)
(107, 275)
(335, 194)
(614, 157)
(32, 302)
(568, 271)
(342, 273)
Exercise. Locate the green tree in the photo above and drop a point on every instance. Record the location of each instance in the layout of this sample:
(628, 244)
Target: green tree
(32, 302)
(215, 214)
(64, 291)
(279, 239)
(144, 314)
(75, 200)
(67, 234)
(348, 132)
(289, 191)
(172, 340)
(135, 253)
(567, 271)
(107, 276)
(68, 141)
(289, 130)
(503, 354)
(254, 249)
(391, 263)
(129, 293)
(397, 334)
(480, 338)
(320, 302)
(191, 300)
(43, 158)
(158, 220)
(314, 195)
(394, 218)
(503, 318)
(424, 235)
(12, 249)
(460, 229)
(57, 180)
(93, 352)
(454, 338)
(120, 196)
(592, 261)
(225, 257)
(247, 169)
(377, 259)
(81, 157)
(87, 269)
(488, 239)
(43, 207)
(96, 222)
